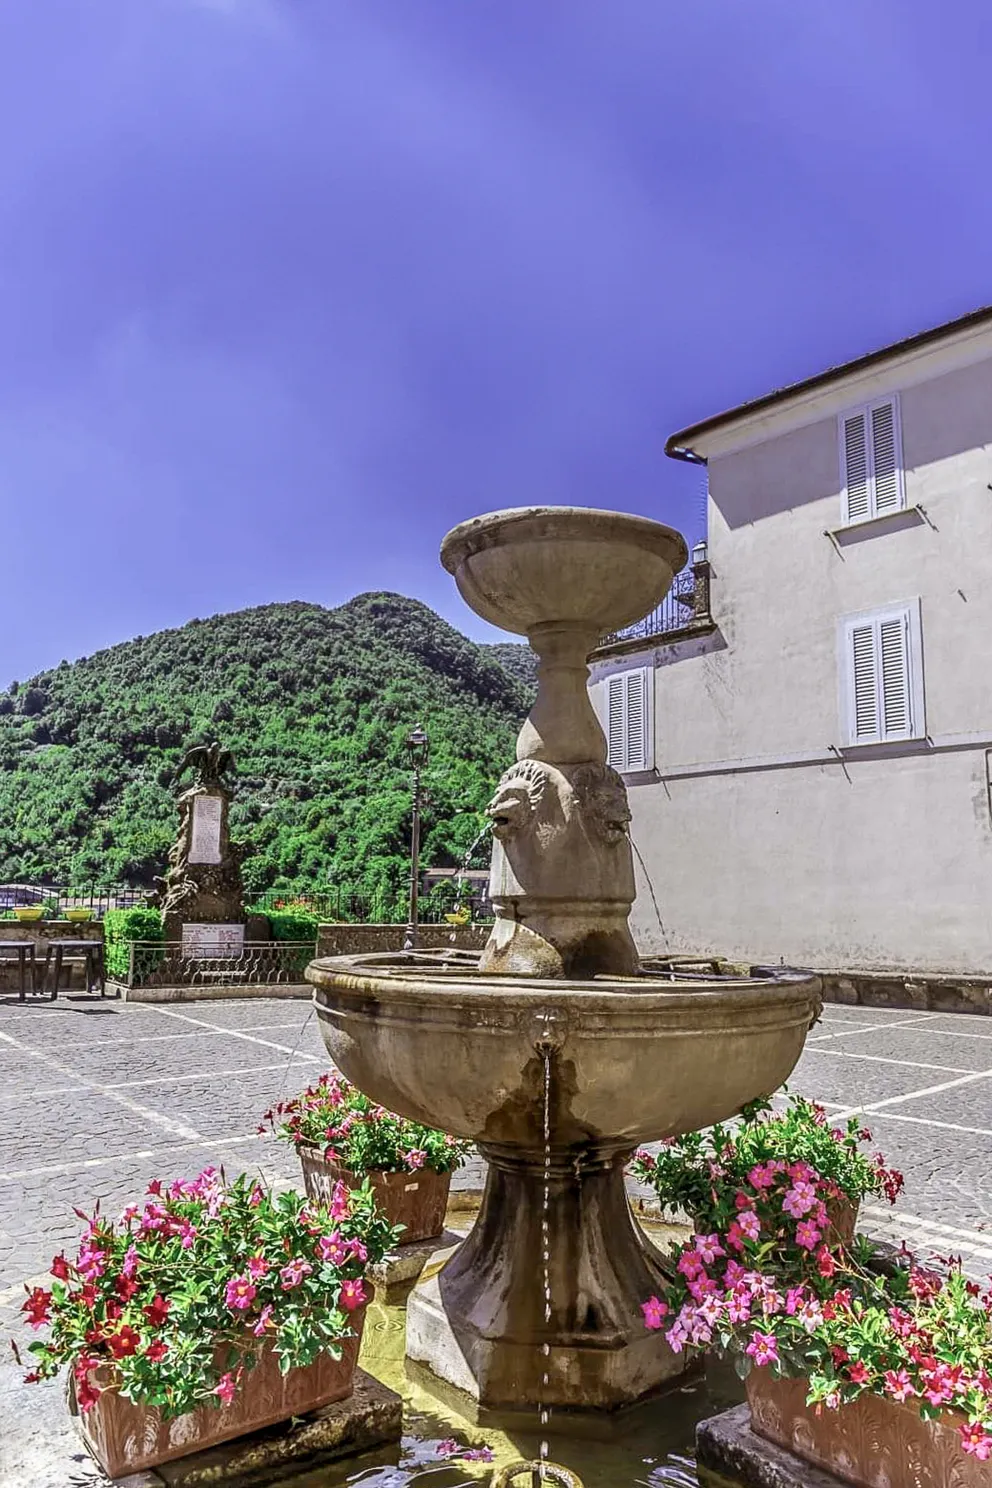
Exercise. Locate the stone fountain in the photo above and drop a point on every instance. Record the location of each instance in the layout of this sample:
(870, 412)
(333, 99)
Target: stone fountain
(556, 1053)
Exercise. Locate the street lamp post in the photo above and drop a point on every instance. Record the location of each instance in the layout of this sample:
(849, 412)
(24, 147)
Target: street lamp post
(417, 750)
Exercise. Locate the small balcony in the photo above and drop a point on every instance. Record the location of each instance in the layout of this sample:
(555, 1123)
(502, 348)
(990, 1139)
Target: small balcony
(684, 612)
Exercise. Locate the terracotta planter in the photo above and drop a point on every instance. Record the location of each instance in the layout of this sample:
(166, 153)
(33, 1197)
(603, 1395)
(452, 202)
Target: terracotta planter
(416, 1200)
(874, 1442)
(127, 1438)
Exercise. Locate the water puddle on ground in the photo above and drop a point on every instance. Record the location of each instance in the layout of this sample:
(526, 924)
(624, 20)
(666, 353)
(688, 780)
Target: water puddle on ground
(650, 1448)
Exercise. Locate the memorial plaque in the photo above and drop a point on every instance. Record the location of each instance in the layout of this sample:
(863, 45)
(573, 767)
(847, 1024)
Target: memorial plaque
(200, 942)
(204, 844)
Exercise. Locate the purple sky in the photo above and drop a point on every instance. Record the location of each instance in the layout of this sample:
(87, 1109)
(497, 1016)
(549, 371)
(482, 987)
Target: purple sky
(288, 287)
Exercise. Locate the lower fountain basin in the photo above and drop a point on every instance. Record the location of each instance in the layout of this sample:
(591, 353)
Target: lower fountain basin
(557, 1082)
(636, 1059)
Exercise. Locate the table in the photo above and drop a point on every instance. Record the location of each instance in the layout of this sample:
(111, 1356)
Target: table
(89, 951)
(25, 953)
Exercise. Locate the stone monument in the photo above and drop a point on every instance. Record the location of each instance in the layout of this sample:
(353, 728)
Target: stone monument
(201, 895)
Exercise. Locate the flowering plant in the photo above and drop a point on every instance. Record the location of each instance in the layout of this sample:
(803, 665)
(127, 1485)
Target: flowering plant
(178, 1296)
(703, 1172)
(763, 1278)
(356, 1133)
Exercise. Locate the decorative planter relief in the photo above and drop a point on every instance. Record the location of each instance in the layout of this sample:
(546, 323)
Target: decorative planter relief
(127, 1438)
(415, 1200)
(873, 1442)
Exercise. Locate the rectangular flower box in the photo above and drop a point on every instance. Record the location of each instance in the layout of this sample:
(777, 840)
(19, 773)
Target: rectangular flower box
(874, 1442)
(127, 1438)
(417, 1201)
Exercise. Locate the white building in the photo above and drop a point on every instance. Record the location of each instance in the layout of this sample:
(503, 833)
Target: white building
(810, 765)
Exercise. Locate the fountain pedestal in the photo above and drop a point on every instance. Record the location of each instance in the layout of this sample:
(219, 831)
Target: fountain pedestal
(480, 1322)
(557, 1047)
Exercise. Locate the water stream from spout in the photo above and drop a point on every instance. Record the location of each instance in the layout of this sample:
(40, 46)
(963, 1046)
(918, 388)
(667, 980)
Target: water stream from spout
(465, 864)
(654, 898)
(544, 1410)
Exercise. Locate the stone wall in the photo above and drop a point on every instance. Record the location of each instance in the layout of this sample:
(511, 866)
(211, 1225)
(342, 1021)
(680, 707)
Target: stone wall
(893, 989)
(362, 940)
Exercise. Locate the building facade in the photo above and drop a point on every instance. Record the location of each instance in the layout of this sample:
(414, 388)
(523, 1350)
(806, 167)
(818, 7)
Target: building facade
(809, 755)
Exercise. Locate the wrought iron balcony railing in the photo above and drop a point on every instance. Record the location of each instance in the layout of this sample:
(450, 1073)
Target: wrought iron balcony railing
(684, 611)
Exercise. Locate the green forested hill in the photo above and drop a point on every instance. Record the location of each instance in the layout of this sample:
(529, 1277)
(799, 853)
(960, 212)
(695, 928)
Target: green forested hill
(315, 705)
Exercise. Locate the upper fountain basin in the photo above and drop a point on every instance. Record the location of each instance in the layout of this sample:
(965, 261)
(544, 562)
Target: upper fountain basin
(634, 1059)
(534, 565)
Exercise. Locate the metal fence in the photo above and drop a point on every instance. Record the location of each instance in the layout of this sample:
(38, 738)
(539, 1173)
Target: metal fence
(260, 964)
(97, 898)
(687, 603)
(384, 908)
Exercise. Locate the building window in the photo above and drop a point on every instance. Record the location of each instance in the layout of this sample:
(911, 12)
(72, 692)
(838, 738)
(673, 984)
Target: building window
(882, 671)
(630, 720)
(871, 461)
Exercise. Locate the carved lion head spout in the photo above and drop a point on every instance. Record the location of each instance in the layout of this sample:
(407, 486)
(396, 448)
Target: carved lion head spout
(604, 801)
(517, 798)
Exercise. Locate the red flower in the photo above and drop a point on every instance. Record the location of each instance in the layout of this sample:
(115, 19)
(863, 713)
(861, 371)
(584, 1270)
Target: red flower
(825, 1263)
(86, 1394)
(858, 1373)
(124, 1342)
(157, 1311)
(86, 1296)
(60, 1268)
(155, 1187)
(227, 1389)
(156, 1351)
(37, 1307)
(976, 1441)
(125, 1287)
(352, 1295)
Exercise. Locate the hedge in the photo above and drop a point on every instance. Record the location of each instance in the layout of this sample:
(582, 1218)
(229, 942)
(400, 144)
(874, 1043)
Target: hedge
(121, 927)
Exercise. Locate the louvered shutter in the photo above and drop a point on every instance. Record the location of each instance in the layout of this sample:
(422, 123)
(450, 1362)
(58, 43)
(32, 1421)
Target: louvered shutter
(885, 462)
(881, 700)
(637, 721)
(864, 683)
(629, 722)
(857, 488)
(616, 728)
(893, 645)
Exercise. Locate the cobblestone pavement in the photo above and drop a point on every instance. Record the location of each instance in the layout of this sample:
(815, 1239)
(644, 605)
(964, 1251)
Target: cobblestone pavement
(97, 1098)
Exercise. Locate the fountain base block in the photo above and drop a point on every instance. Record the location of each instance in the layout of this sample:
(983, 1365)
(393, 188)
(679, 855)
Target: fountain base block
(500, 1374)
(483, 1322)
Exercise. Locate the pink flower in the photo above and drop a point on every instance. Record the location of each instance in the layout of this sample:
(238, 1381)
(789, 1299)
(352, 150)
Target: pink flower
(794, 1300)
(358, 1252)
(655, 1311)
(340, 1201)
(976, 1441)
(256, 1196)
(677, 1338)
(799, 1200)
(478, 1454)
(263, 1321)
(690, 1263)
(772, 1301)
(811, 1315)
(227, 1389)
(415, 1158)
(733, 1274)
(761, 1176)
(748, 1223)
(258, 1267)
(807, 1235)
(130, 1262)
(763, 1348)
(239, 1293)
(902, 1322)
(352, 1295)
(708, 1247)
(448, 1447)
(332, 1248)
(187, 1233)
(293, 1273)
(739, 1307)
(898, 1384)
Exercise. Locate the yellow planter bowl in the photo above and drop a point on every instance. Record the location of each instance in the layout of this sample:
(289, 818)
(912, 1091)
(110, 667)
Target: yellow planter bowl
(79, 916)
(29, 911)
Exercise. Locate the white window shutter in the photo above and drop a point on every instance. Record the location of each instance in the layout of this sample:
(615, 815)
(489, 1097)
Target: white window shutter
(886, 462)
(884, 676)
(616, 728)
(637, 720)
(629, 731)
(857, 485)
(864, 683)
(893, 646)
